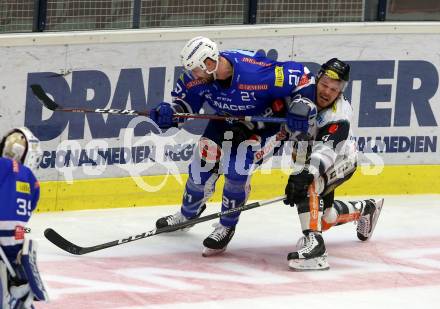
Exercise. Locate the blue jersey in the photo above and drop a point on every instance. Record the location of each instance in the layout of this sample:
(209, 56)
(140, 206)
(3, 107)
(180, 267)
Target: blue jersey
(19, 194)
(256, 83)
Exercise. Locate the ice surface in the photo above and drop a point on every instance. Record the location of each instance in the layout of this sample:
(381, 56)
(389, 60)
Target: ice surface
(398, 268)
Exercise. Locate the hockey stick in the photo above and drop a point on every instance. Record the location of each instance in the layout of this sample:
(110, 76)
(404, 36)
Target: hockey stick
(41, 95)
(72, 248)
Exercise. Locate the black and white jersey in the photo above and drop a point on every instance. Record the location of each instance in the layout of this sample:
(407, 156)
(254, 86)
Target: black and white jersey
(334, 139)
(330, 138)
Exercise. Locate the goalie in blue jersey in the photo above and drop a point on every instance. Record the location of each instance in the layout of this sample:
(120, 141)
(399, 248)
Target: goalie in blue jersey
(20, 282)
(238, 83)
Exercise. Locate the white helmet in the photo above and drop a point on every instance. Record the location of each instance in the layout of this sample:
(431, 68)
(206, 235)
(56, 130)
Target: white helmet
(196, 51)
(21, 145)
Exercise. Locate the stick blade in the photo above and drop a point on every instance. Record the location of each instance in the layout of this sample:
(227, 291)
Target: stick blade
(41, 95)
(62, 243)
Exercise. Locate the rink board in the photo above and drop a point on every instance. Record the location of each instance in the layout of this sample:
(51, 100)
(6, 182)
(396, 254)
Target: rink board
(94, 161)
(124, 192)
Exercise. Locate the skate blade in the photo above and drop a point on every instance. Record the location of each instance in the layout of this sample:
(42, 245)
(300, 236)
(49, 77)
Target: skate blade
(379, 205)
(318, 263)
(210, 252)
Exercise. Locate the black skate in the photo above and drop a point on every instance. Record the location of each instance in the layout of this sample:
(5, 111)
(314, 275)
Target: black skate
(368, 219)
(311, 255)
(218, 240)
(177, 218)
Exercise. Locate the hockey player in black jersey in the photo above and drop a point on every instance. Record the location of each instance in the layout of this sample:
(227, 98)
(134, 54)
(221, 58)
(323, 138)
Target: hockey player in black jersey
(329, 161)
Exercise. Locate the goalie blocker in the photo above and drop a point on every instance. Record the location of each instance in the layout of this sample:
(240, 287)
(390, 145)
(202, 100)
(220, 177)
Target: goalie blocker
(21, 283)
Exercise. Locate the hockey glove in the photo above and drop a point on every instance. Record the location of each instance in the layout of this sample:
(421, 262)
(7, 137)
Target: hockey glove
(297, 187)
(300, 111)
(162, 115)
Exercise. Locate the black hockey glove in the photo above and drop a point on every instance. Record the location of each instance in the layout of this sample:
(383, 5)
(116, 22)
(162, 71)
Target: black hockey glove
(241, 132)
(297, 187)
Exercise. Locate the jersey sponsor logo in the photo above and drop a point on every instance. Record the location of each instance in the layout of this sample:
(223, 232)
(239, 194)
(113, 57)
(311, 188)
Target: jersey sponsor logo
(23, 187)
(232, 107)
(225, 99)
(279, 76)
(195, 82)
(249, 87)
(19, 232)
(253, 61)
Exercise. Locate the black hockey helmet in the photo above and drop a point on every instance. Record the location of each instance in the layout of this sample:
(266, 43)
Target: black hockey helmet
(335, 69)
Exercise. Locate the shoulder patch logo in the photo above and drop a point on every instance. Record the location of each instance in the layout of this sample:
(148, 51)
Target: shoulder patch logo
(23, 187)
(333, 128)
(279, 76)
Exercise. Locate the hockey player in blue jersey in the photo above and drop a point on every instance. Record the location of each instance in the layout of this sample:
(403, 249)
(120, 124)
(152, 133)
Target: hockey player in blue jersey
(20, 282)
(232, 83)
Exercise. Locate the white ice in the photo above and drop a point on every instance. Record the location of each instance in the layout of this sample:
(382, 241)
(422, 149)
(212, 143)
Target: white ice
(398, 268)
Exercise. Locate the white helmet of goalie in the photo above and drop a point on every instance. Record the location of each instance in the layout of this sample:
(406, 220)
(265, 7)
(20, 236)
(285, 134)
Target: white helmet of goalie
(21, 145)
(196, 51)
